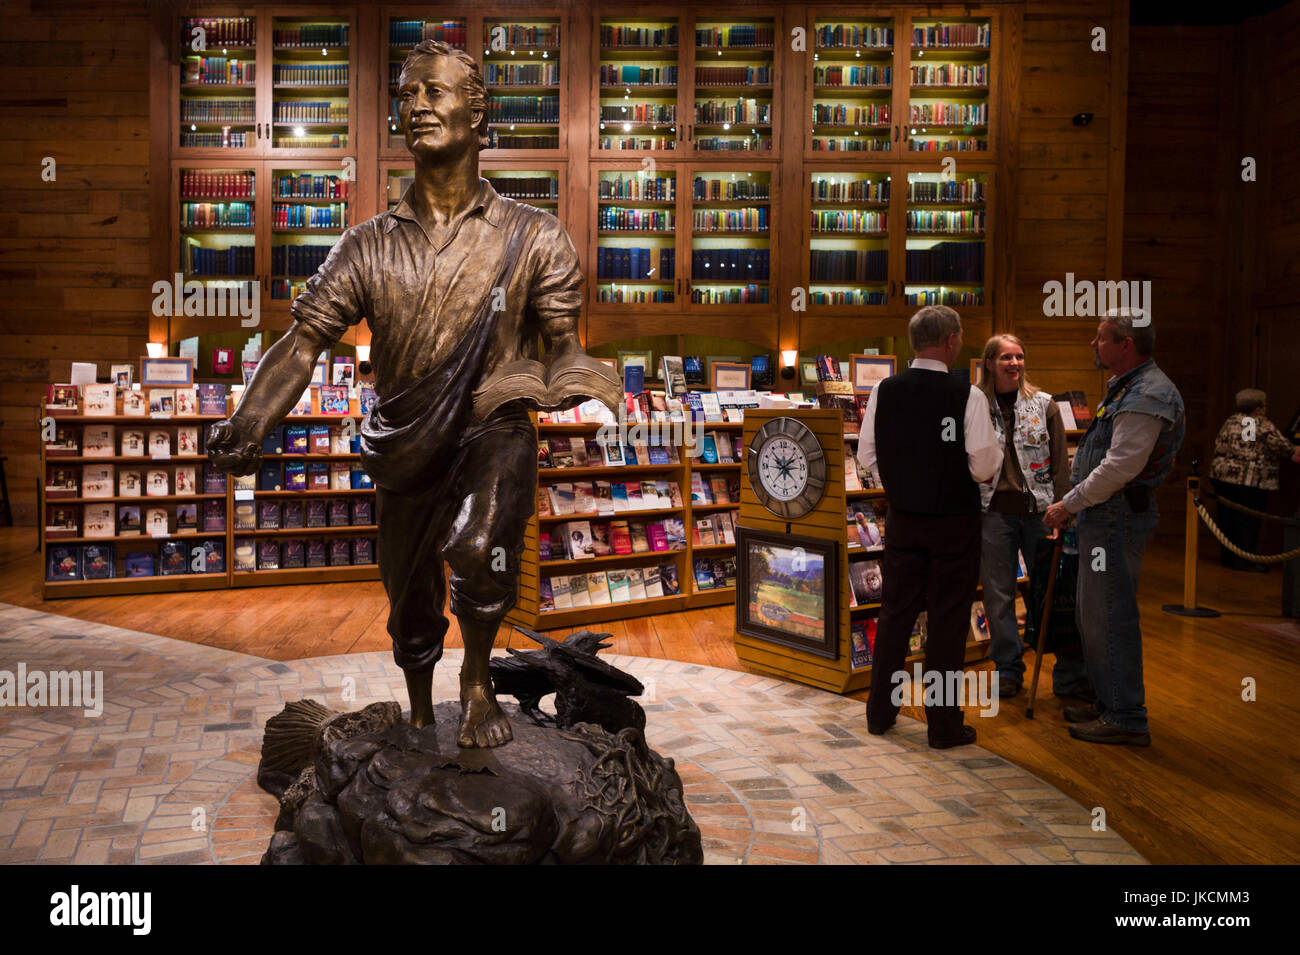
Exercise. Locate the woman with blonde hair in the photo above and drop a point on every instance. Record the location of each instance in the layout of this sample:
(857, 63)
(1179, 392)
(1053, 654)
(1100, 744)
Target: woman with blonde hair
(1035, 474)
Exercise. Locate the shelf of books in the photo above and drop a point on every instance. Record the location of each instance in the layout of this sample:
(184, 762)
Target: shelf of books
(946, 237)
(731, 240)
(312, 84)
(634, 238)
(521, 68)
(404, 32)
(735, 85)
(132, 505)
(246, 252)
(216, 84)
(637, 105)
(848, 241)
(308, 514)
(852, 86)
(950, 77)
(628, 529)
(297, 104)
(309, 211)
(216, 253)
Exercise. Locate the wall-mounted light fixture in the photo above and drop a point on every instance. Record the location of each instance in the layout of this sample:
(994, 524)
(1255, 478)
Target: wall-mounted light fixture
(789, 359)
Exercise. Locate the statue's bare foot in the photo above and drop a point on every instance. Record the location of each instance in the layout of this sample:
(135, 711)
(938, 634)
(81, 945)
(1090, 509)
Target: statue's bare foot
(482, 722)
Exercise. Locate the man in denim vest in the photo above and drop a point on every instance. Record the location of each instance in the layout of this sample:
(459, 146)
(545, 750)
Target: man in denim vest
(1127, 452)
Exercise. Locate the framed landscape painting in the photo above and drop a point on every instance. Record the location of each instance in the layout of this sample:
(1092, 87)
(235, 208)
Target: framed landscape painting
(787, 590)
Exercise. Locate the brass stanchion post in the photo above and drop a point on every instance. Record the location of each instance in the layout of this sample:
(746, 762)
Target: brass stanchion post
(1191, 530)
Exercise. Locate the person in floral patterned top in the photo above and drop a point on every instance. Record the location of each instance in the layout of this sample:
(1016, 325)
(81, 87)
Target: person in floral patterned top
(1247, 455)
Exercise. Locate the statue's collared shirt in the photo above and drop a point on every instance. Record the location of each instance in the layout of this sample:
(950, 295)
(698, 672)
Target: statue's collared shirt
(420, 300)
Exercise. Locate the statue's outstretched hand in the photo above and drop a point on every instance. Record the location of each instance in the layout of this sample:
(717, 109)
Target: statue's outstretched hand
(232, 449)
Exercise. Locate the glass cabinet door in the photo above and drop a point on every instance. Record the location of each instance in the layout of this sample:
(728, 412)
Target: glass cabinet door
(853, 86)
(312, 85)
(946, 237)
(310, 208)
(731, 238)
(638, 102)
(734, 106)
(521, 67)
(848, 260)
(215, 252)
(217, 85)
(635, 238)
(948, 108)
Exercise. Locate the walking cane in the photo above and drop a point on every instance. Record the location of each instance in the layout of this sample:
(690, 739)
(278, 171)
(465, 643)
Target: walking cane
(1046, 618)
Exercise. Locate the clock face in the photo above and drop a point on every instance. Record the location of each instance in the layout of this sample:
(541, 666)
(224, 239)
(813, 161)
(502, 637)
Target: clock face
(787, 469)
(783, 468)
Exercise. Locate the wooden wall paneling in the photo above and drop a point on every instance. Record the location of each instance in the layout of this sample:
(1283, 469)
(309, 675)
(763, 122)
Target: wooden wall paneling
(1172, 236)
(74, 251)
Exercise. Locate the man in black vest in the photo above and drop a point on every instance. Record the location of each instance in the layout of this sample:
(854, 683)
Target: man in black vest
(928, 438)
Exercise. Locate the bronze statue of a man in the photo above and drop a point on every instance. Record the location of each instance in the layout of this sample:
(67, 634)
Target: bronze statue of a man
(456, 283)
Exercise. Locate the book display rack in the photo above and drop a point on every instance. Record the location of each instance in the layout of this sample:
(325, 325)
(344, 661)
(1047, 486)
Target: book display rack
(131, 504)
(657, 535)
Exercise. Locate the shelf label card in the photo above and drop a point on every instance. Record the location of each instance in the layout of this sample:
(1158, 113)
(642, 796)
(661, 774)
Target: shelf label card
(243, 495)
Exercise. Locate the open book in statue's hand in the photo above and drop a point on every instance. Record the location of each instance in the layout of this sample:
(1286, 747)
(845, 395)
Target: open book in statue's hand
(571, 379)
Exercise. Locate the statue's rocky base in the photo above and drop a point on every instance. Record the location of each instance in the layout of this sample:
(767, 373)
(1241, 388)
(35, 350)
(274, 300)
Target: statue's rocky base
(379, 791)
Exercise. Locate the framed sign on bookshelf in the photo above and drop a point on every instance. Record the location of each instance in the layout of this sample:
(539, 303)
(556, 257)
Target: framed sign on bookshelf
(729, 376)
(638, 357)
(166, 371)
(871, 370)
(788, 590)
(807, 370)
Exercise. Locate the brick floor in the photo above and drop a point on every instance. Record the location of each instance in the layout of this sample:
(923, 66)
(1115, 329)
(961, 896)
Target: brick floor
(774, 773)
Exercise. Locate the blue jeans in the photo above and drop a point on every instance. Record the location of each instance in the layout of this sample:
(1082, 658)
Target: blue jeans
(1112, 539)
(1004, 534)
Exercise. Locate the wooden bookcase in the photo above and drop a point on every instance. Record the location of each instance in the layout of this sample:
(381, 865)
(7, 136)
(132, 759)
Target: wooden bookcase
(854, 72)
(527, 611)
(229, 496)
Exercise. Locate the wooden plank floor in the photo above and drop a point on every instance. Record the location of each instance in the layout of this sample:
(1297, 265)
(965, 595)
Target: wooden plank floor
(1220, 783)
